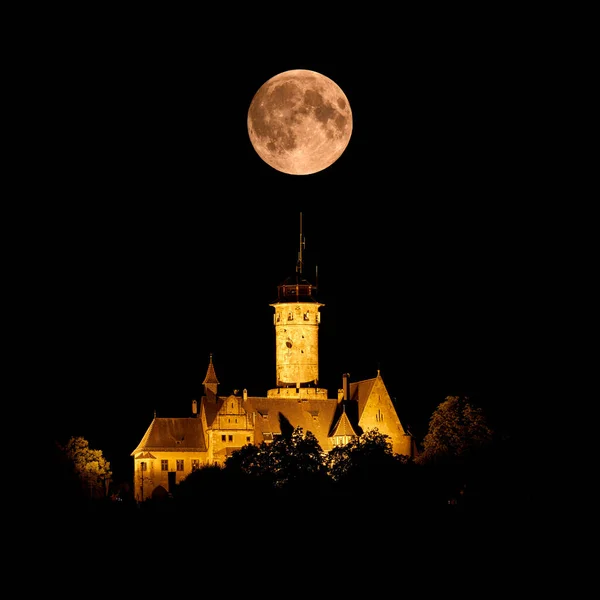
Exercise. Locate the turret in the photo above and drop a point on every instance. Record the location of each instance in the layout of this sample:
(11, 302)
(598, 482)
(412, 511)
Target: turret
(210, 382)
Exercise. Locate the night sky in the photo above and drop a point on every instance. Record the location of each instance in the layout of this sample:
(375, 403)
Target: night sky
(168, 235)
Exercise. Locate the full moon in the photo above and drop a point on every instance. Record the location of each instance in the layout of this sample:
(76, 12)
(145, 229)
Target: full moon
(299, 122)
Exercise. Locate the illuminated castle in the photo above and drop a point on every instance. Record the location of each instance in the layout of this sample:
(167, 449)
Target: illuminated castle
(174, 447)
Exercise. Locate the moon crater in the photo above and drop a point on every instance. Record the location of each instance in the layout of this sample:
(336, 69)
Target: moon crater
(299, 122)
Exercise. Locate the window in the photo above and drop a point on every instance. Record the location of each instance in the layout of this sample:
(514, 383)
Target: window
(248, 438)
(195, 464)
(143, 466)
(223, 438)
(164, 465)
(180, 465)
(231, 438)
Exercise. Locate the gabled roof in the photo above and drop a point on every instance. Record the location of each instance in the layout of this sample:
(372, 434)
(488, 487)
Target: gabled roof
(343, 426)
(359, 392)
(211, 409)
(172, 435)
(272, 416)
(146, 455)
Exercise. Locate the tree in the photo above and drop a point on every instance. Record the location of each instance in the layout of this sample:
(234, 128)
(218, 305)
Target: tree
(455, 451)
(90, 466)
(288, 461)
(457, 429)
(368, 467)
(298, 461)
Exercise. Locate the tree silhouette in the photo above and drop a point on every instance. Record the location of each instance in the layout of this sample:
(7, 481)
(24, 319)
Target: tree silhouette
(456, 451)
(367, 468)
(457, 429)
(288, 461)
(90, 466)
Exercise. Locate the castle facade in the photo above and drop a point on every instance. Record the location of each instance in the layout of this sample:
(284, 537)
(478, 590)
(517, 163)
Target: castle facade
(218, 425)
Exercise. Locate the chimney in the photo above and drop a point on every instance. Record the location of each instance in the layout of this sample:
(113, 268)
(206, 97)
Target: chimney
(346, 389)
(194, 407)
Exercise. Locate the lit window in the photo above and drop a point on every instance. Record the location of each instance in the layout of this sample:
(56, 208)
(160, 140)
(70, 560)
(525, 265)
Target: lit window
(195, 464)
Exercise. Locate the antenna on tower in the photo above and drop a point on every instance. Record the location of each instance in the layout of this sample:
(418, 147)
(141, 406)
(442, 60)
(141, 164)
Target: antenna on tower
(300, 263)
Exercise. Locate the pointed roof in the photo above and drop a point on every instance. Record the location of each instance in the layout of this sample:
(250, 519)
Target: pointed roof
(360, 391)
(343, 425)
(211, 376)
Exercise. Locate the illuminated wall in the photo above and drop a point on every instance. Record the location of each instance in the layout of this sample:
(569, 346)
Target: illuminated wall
(297, 343)
(379, 413)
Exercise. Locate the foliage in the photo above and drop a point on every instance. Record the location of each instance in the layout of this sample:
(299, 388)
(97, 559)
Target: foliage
(251, 461)
(286, 462)
(90, 466)
(368, 459)
(457, 429)
(208, 481)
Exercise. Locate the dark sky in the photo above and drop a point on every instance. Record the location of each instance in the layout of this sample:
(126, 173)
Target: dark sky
(168, 235)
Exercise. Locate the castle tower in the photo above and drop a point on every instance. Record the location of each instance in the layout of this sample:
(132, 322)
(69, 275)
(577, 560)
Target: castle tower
(296, 321)
(211, 382)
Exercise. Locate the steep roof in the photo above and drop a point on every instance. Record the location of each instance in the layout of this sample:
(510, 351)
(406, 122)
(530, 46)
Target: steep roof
(359, 391)
(211, 376)
(343, 426)
(276, 416)
(173, 435)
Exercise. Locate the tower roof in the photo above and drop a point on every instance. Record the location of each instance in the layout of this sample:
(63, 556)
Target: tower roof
(211, 376)
(296, 289)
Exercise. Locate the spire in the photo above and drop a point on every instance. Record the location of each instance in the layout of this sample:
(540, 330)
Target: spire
(211, 376)
(296, 288)
(300, 263)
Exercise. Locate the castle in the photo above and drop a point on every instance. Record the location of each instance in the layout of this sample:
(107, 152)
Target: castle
(174, 447)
